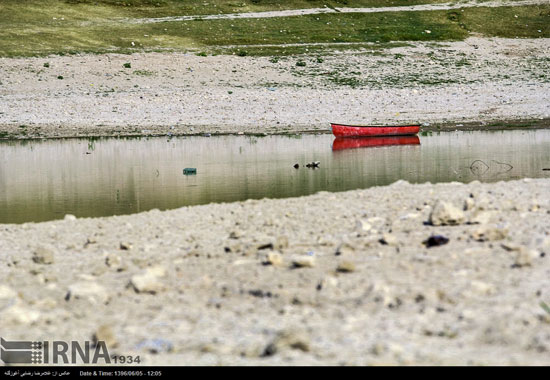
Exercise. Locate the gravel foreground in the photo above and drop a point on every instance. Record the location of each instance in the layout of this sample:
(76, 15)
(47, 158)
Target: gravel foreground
(451, 84)
(347, 278)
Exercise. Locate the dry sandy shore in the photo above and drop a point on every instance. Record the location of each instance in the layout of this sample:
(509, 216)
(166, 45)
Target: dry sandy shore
(449, 84)
(325, 279)
(349, 281)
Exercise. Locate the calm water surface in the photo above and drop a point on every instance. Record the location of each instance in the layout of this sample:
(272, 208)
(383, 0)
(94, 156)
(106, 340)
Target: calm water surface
(44, 180)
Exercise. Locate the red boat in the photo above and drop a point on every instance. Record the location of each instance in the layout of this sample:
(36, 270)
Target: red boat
(343, 130)
(341, 143)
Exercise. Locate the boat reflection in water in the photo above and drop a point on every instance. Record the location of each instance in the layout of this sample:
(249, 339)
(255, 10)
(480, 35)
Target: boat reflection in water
(341, 143)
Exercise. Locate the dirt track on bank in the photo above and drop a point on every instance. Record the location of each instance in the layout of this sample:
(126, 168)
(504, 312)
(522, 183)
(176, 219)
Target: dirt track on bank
(310, 11)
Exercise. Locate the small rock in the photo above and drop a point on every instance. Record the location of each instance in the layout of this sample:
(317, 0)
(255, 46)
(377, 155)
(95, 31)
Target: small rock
(435, 241)
(445, 214)
(273, 258)
(363, 225)
(89, 290)
(105, 334)
(468, 204)
(327, 282)
(345, 250)
(389, 239)
(126, 246)
(43, 255)
(236, 234)
(148, 282)
(303, 261)
(69, 217)
(482, 217)
(296, 166)
(113, 260)
(345, 267)
(524, 257)
(288, 339)
(326, 240)
(511, 246)
(489, 233)
(482, 288)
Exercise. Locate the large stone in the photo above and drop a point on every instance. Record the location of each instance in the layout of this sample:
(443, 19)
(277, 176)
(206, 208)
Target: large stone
(446, 214)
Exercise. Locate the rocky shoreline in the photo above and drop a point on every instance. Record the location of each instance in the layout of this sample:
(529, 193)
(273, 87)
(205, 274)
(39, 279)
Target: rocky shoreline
(404, 274)
(476, 83)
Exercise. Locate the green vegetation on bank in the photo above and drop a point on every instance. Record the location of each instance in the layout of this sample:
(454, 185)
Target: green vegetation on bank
(73, 26)
(163, 8)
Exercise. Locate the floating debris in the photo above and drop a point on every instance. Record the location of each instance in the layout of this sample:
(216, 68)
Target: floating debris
(188, 171)
(313, 165)
(296, 166)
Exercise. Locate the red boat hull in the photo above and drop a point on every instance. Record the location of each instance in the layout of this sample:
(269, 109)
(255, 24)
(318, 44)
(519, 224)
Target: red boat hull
(341, 143)
(342, 130)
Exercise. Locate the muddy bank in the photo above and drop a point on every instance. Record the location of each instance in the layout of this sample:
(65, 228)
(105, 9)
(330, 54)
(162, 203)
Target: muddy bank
(477, 82)
(347, 278)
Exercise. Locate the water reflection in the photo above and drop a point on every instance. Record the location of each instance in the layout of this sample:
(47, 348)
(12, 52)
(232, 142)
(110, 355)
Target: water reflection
(43, 180)
(341, 143)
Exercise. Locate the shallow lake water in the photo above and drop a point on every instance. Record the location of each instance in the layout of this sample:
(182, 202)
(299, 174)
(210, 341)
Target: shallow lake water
(46, 179)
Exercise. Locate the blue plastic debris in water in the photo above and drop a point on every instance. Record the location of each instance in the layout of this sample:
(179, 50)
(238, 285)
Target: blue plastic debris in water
(188, 171)
(310, 253)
